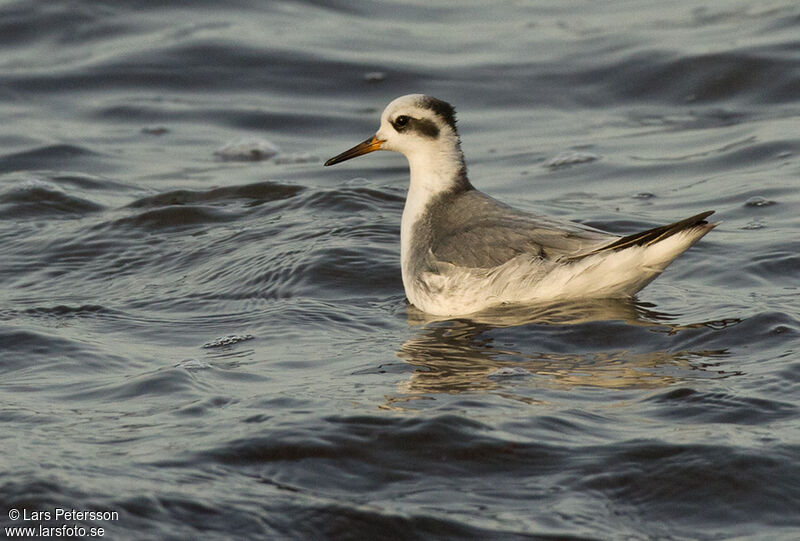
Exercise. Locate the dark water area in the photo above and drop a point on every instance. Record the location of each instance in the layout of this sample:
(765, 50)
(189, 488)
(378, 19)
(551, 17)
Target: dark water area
(205, 331)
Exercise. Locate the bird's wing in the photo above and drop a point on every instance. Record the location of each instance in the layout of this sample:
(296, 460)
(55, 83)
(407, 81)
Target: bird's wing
(477, 231)
(657, 234)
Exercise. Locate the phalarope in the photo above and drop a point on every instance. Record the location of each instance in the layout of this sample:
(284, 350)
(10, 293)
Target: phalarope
(462, 251)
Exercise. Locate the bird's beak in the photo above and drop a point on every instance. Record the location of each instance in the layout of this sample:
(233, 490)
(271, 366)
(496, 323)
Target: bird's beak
(370, 145)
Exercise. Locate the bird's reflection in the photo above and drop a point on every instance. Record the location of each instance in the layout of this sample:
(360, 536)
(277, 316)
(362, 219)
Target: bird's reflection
(559, 346)
(563, 313)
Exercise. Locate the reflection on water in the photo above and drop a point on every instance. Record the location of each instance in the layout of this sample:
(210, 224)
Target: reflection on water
(460, 355)
(559, 313)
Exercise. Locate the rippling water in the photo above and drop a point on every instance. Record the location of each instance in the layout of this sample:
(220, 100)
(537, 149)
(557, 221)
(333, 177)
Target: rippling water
(205, 331)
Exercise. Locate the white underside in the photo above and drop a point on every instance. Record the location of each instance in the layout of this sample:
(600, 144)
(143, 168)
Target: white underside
(528, 279)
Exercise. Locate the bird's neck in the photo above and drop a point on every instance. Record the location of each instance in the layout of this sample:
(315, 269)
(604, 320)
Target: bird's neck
(434, 170)
(432, 174)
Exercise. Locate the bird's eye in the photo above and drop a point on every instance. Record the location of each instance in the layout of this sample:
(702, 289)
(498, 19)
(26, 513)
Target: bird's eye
(401, 121)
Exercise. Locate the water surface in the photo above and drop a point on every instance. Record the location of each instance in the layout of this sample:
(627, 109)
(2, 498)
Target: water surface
(214, 341)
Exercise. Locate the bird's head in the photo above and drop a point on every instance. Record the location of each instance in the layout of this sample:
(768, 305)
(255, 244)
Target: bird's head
(416, 125)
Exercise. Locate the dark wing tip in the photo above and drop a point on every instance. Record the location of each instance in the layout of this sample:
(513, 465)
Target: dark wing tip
(701, 218)
(656, 234)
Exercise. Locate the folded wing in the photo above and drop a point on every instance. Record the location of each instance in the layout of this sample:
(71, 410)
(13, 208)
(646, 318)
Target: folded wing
(476, 231)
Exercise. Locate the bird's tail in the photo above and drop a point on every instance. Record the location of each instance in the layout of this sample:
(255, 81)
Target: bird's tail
(625, 266)
(657, 234)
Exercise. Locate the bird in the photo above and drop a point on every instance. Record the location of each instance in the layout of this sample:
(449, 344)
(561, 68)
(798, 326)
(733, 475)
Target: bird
(462, 251)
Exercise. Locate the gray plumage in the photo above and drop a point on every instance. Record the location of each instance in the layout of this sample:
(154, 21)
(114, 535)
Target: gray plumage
(470, 229)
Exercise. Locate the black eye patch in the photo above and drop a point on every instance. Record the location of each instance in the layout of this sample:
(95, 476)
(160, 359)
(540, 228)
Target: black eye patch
(422, 126)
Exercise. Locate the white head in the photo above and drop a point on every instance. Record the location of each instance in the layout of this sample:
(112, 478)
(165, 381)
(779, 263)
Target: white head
(424, 130)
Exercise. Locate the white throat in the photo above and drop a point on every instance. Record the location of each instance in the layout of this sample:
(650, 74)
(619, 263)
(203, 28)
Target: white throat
(432, 171)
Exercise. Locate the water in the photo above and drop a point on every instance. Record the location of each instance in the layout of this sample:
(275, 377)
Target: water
(214, 342)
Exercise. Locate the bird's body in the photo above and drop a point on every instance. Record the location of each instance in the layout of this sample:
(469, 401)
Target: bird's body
(462, 251)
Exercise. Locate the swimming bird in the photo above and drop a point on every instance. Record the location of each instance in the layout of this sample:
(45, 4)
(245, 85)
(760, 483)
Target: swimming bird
(461, 251)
